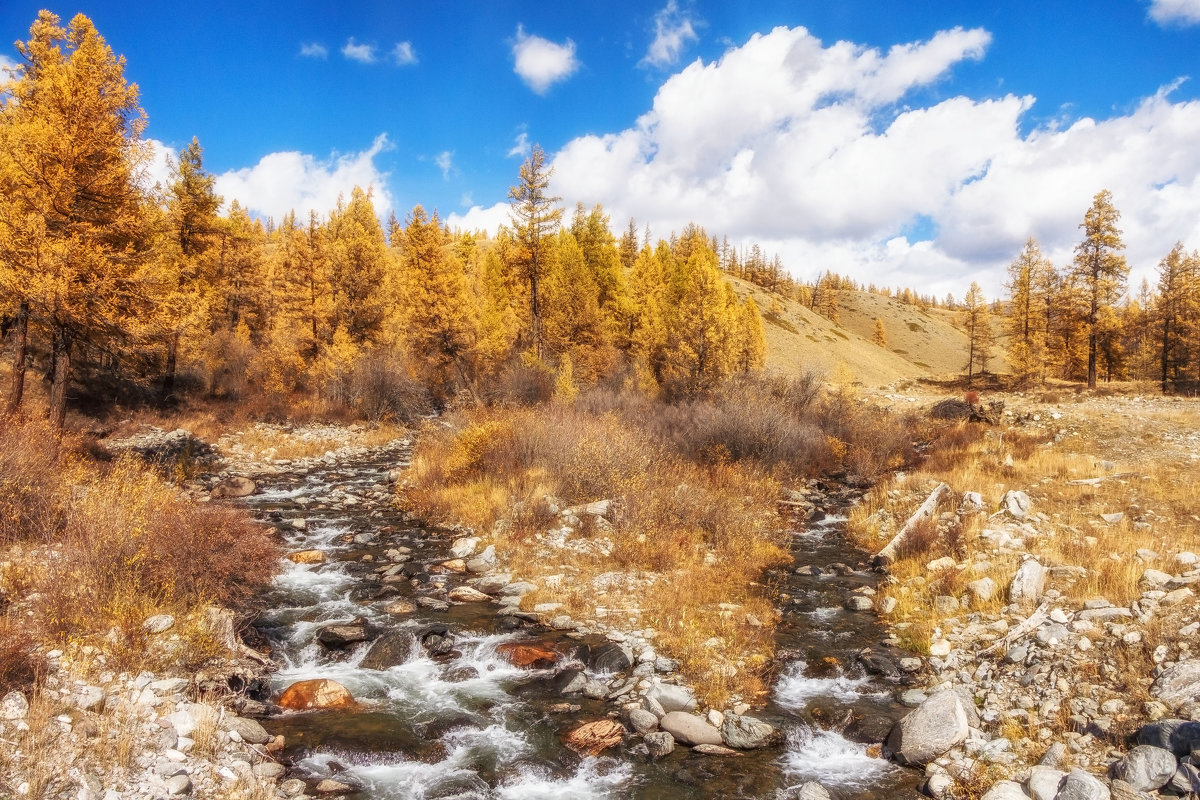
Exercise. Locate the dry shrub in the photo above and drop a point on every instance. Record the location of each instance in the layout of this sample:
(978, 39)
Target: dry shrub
(30, 510)
(20, 666)
(921, 540)
(383, 391)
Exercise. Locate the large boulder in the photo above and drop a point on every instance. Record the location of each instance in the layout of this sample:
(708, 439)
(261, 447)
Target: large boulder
(389, 650)
(1029, 582)
(1178, 684)
(1005, 790)
(1080, 785)
(343, 634)
(249, 730)
(672, 698)
(928, 731)
(690, 729)
(316, 694)
(1044, 782)
(1016, 504)
(748, 733)
(593, 738)
(610, 657)
(1145, 768)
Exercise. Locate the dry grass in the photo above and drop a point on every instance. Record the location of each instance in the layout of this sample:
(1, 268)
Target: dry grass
(99, 548)
(284, 442)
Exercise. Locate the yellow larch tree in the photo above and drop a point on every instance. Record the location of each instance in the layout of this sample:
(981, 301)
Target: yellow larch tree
(1100, 272)
(1029, 279)
(73, 222)
(358, 268)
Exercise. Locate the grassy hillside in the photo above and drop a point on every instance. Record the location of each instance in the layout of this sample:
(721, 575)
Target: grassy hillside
(920, 343)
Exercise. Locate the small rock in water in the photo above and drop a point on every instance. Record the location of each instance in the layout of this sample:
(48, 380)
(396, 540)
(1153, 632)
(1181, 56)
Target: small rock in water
(660, 744)
(715, 750)
(593, 738)
(316, 694)
(308, 557)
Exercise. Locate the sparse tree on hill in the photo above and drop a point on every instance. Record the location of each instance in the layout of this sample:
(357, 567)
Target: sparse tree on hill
(976, 321)
(1026, 323)
(879, 333)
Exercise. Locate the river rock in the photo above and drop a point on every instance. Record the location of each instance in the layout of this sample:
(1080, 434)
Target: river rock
(1145, 768)
(593, 738)
(319, 693)
(389, 650)
(857, 602)
(308, 557)
(809, 790)
(493, 583)
(519, 654)
(466, 546)
(671, 697)
(484, 562)
(250, 731)
(1029, 582)
(642, 721)
(400, 607)
(234, 487)
(610, 657)
(1177, 735)
(1044, 782)
(343, 634)
(1186, 779)
(660, 744)
(330, 786)
(1178, 684)
(714, 750)
(748, 733)
(178, 784)
(931, 729)
(1079, 785)
(465, 594)
(690, 729)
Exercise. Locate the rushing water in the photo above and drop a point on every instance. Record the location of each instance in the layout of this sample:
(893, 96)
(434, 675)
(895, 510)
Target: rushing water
(469, 725)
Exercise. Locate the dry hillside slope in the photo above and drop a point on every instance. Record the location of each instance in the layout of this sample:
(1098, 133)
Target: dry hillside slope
(920, 343)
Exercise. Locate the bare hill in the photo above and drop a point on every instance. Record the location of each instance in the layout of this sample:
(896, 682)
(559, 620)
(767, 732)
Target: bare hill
(919, 343)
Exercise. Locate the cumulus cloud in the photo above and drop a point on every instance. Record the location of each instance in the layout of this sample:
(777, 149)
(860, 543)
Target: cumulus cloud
(540, 62)
(314, 50)
(521, 147)
(404, 54)
(286, 181)
(445, 162)
(478, 218)
(810, 150)
(672, 31)
(362, 53)
(1175, 12)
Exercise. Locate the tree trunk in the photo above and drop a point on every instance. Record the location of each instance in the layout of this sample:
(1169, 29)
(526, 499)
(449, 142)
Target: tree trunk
(21, 333)
(168, 385)
(1092, 360)
(62, 377)
(535, 314)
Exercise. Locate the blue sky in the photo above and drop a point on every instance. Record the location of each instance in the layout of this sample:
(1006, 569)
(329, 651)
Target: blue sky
(913, 143)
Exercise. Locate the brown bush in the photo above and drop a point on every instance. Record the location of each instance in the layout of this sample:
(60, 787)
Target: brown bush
(20, 666)
(29, 501)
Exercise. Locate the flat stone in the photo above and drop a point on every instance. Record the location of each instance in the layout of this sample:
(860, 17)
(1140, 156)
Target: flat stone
(318, 693)
(308, 557)
(178, 784)
(1104, 614)
(642, 721)
(748, 733)
(1044, 782)
(714, 750)
(690, 729)
(593, 738)
(234, 487)
(250, 731)
(466, 546)
(1005, 790)
(465, 594)
(1178, 684)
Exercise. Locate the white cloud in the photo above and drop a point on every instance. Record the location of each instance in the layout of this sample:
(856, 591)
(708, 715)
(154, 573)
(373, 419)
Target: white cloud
(1175, 12)
(477, 218)
(445, 162)
(362, 53)
(521, 147)
(281, 182)
(672, 31)
(467, 200)
(404, 54)
(314, 50)
(808, 149)
(540, 62)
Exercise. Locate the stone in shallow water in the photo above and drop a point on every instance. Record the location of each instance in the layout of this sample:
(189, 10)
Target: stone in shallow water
(690, 729)
(319, 693)
(593, 738)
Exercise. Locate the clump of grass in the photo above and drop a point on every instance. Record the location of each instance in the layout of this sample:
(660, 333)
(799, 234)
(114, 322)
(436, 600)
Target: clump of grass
(285, 442)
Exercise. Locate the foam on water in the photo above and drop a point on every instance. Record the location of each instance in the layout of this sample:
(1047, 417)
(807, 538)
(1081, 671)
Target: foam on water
(831, 759)
(795, 689)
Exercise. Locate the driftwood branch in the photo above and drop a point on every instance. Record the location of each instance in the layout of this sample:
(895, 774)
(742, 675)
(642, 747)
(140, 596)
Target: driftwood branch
(888, 554)
(1100, 480)
(1028, 626)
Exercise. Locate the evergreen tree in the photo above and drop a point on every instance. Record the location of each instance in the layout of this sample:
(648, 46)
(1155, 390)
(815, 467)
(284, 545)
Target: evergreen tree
(975, 320)
(1025, 325)
(358, 268)
(879, 333)
(1100, 272)
(535, 220)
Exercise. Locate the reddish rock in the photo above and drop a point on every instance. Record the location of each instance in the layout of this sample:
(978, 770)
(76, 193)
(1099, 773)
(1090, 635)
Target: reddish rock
(316, 694)
(527, 655)
(593, 738)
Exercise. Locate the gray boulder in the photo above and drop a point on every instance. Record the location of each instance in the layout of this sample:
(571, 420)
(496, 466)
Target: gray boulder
(1186, 779)
(610, 657)
(484, 562)
(343, 634)
(809, 790)
(1044, 782)
(394, 647)
(14, 706)
(1016, 504)
(1029, 582)
(672, 698)
(1178, 684)
(1079, 785)
(1180, 736)
(234, 487)
(928, 731)
(1005, 790)
(249, 730)
(1145, 768)
(642, 721)
(660, 744)
(748, 733)
(690, 729)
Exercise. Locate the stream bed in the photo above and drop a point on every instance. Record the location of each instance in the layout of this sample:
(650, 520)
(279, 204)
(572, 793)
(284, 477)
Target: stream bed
(462, 722)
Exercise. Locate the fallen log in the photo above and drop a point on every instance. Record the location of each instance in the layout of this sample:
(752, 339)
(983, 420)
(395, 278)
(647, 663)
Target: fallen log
(1100, 480)
(1028, 626)
(888, 554)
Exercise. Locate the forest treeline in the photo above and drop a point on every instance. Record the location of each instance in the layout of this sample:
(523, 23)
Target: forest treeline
(108, 283)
